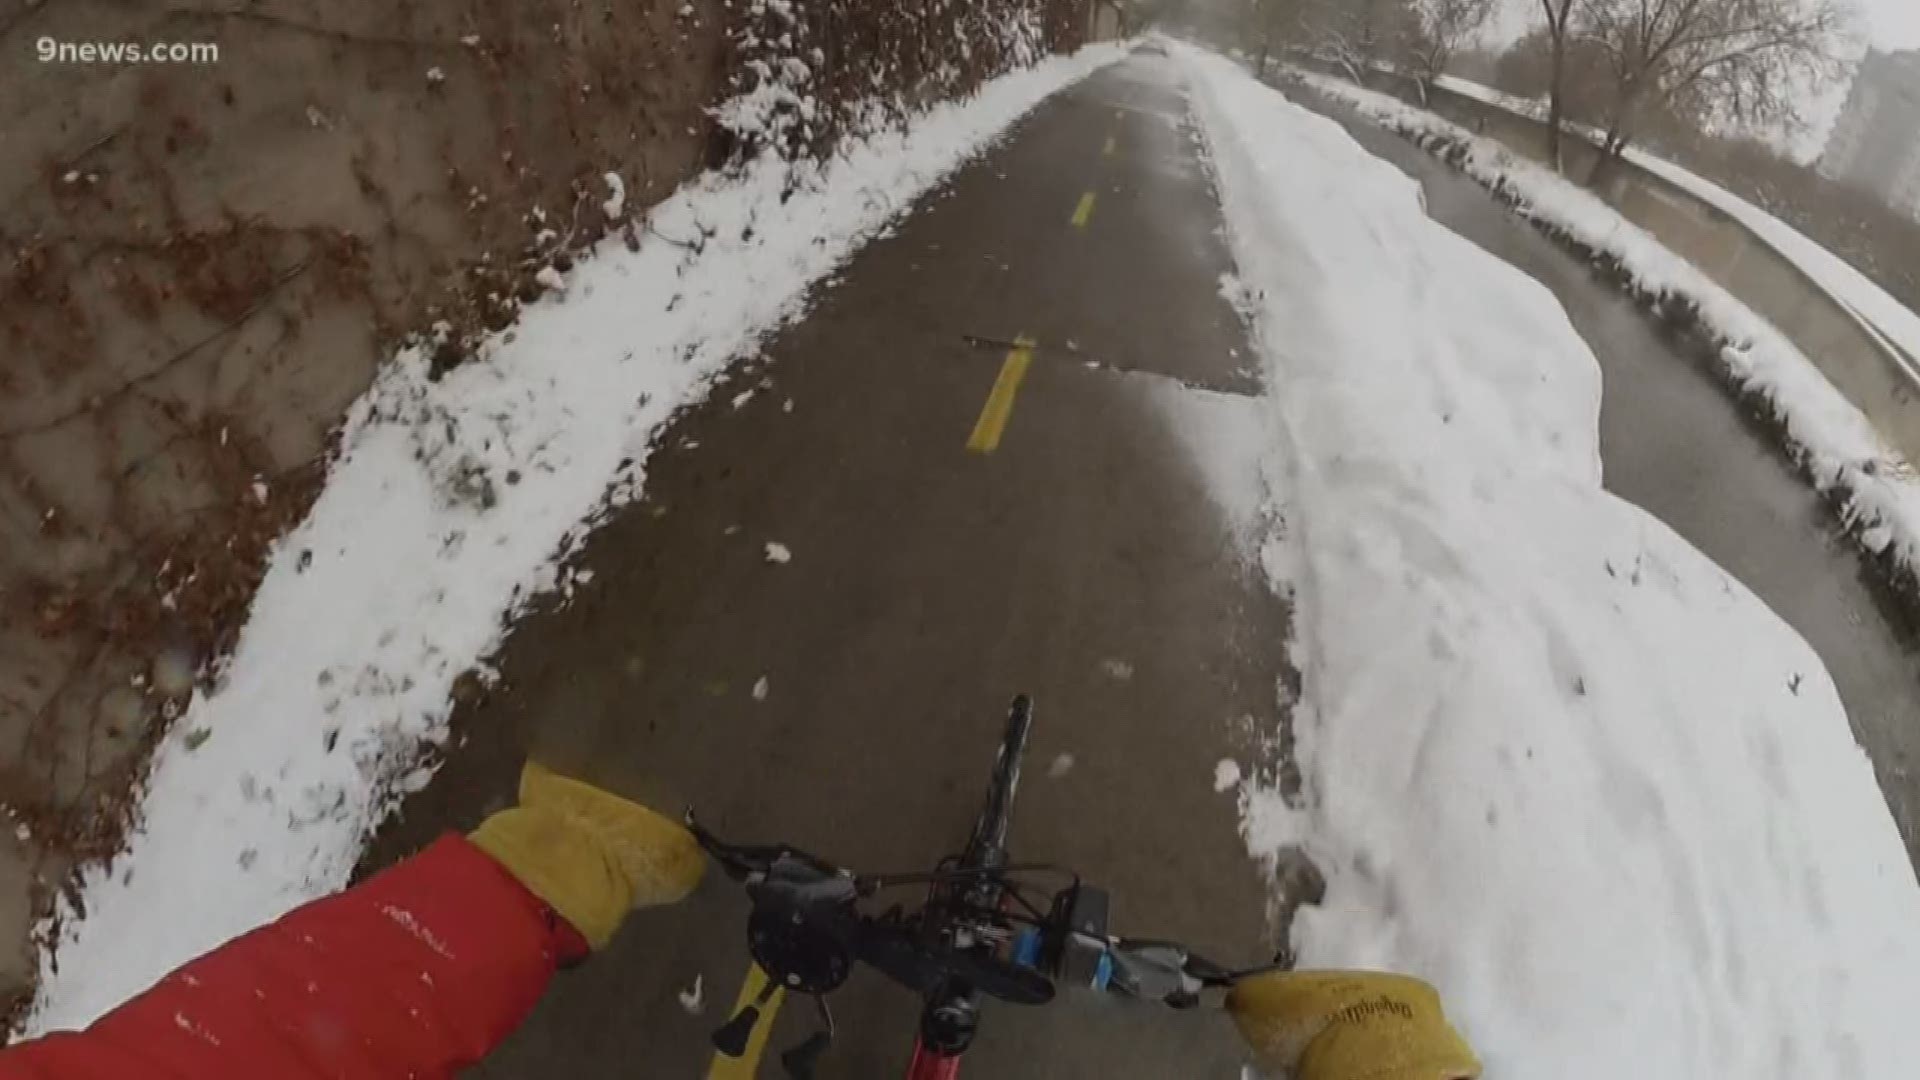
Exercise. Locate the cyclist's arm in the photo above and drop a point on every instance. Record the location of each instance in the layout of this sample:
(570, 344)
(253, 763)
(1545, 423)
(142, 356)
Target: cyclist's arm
(418, 972)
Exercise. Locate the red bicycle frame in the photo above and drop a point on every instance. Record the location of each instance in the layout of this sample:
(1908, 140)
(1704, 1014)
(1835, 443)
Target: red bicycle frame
(928, 1065)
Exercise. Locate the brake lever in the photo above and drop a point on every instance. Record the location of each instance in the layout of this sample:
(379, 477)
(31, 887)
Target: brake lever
(1214, 976)
(1171, 973)
(757, 863)
(740, 863)
(798, 878)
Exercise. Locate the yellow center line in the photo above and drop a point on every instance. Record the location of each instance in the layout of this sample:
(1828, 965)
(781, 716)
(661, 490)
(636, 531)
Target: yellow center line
(1112, 144)
(1084, 212)
(747, 1065)
(993, 417)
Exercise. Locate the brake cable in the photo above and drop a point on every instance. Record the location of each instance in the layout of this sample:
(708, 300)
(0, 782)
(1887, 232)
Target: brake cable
(868, 884)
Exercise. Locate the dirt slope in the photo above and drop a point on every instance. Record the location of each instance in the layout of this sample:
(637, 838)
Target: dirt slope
(205, 262)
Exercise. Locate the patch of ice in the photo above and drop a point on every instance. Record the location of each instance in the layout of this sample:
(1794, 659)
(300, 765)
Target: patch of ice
(1225, 437)
(777, 553)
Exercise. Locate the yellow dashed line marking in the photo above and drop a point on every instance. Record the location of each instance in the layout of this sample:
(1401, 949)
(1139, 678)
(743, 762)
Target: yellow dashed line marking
(1084, 212)
(999, 407)
(747, 1065)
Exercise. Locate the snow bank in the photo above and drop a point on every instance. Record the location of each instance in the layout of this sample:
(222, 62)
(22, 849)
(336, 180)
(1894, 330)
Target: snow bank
(1842, 451)
(452, 504)
(1556, 761)
(1870, 303)
(1514, 103)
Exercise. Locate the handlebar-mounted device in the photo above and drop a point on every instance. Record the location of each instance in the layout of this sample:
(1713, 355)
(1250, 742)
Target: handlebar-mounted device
(978, 933)
(978, 930)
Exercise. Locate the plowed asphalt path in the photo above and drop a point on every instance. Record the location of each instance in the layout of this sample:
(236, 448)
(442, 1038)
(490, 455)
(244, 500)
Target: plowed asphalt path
(965, 518)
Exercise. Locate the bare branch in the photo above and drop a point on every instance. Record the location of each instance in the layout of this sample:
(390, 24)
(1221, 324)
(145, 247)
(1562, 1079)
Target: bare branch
(1710, 62)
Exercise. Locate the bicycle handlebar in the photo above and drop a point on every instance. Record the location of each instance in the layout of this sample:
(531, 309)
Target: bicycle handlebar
(982, 930)
(817, 900)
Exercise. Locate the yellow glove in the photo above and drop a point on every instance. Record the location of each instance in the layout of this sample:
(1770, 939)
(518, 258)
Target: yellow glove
(1349, 1025)
(590, 854)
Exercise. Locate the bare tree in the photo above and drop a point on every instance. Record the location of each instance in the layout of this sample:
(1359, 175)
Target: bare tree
(1275, 24)
(1559, 15)
(1720, 63)
(1525, 69)
(1361, 35)
(1336, 30)
(1439, 28)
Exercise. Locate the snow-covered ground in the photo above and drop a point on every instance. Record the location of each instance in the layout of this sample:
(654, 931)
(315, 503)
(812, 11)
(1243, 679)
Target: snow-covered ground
(451, 506)
(1868, 301)
(1525, 106)
(1872, 304)
(1843, 450)
(1556, 760)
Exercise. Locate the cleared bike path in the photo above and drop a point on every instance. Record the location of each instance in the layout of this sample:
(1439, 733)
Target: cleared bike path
(980, 466)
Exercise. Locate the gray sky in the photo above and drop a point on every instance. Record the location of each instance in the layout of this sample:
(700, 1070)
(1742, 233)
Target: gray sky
(1890, 24)
(1894, 24)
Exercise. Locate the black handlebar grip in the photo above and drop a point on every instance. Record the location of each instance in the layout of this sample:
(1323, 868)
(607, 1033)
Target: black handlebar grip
(731, 1038)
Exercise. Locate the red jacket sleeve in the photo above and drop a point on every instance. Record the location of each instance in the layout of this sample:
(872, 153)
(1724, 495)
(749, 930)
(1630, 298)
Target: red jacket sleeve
(417, 972)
